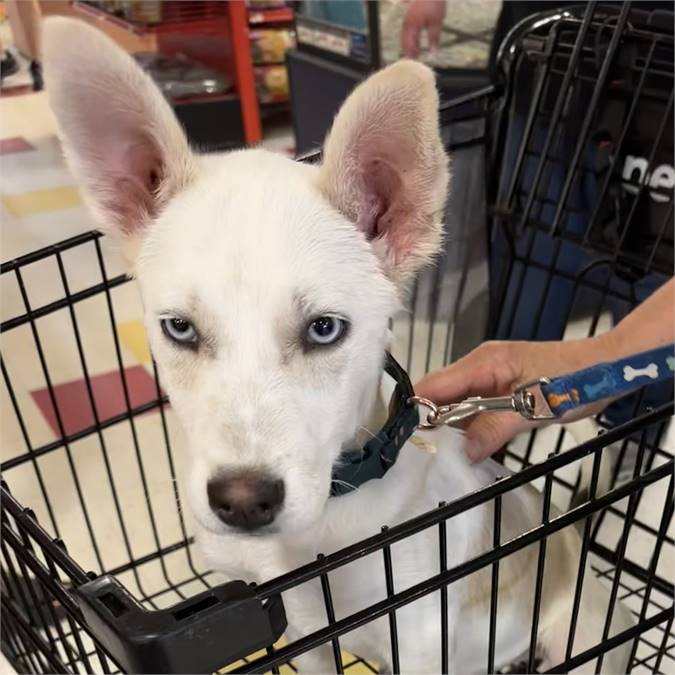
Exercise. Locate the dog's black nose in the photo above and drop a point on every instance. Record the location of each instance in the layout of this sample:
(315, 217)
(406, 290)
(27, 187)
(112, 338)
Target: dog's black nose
(246, 500)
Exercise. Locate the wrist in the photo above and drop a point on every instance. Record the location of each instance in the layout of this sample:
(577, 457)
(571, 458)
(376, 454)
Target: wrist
(579, 354)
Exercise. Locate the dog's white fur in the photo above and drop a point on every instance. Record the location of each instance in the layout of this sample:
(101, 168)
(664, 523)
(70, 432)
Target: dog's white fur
(248, 246)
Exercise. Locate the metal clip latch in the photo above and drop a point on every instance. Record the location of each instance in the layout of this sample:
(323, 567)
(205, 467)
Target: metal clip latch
(525, 402)
(522, 401)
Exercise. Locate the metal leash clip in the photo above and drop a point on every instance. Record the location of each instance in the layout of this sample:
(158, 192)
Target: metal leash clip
(522, 401)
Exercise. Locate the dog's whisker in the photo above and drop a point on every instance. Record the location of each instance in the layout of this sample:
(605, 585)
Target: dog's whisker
(344, 483)
(368, 431)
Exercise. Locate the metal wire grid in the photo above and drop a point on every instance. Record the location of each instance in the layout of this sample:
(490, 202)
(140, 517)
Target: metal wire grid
(31, 548)
(584, 66)
(20, 636)
(66, 442)
(12, 578)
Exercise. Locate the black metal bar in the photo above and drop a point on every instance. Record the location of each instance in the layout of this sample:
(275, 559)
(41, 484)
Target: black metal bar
(456, 305)
(477, 95)
(557, 245)
(494, 586)
(48, 545)
(275, 669)
(641, 187)
(614, 42)
(531, 238)
(51, 547)
(393, 631)
(149, 557)
(622, 452)
(619, 142)
(30, 455)
(41, 253)
(649, 462)
(330, 614)
(539, 584)
(74, 631)
(59, 420)
(534, 109)
(28, 653)
(434, 583)
(623, 542)
(665, 227)
(497, 306)
(178, 584)
(587, 283)
(581, 570)
(563, 93)
(632, 568)
(656, 554)
(94, 411)
(596, 547)
(66, 440)
(11, 539)
(487, 493)
(530, 447)
(34, 638)
(12, 580)
(373, 18)
(613, 642)
(11, 647)
(443, 565)
(434, 297)
(42, 601)
(174, 481)
(664, 642)
(44, 310)
(132, 425)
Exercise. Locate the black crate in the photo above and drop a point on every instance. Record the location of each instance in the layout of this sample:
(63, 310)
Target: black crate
(532, 250)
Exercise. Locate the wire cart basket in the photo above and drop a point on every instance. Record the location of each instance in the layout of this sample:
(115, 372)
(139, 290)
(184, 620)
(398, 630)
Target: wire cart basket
(560, 223)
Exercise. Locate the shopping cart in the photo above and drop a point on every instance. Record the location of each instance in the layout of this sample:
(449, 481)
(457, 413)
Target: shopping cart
(561, 222)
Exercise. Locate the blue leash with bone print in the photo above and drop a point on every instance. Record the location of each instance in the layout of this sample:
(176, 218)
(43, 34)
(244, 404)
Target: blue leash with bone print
(562, 394)
(608, 380)
(356, 466)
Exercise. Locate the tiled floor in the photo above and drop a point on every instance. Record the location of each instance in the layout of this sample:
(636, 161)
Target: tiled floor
(91, 491)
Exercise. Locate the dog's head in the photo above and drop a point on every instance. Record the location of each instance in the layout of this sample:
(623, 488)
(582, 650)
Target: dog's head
(267, 284)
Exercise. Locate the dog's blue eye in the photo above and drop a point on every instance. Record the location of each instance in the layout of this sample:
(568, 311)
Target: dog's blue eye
(325, 330)
(179, 330)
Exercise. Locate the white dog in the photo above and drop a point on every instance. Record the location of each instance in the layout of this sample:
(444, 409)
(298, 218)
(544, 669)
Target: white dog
(268, 286)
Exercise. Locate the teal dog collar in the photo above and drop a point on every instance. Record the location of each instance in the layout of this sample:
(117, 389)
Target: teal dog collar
(354, 467)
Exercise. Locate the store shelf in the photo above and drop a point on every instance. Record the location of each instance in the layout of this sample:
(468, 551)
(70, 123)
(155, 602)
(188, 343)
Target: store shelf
(198, 15)
(281, 101)
(212, 33)
(263, 17)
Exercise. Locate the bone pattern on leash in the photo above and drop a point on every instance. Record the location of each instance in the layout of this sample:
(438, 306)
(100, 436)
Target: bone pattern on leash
(554, 400)
(629, 373)
(592, 390)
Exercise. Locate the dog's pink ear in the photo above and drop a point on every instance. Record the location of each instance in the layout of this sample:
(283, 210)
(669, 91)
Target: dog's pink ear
(385, 167)
(119, 134)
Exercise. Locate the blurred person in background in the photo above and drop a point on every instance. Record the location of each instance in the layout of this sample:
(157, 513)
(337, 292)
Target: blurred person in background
(24, 18)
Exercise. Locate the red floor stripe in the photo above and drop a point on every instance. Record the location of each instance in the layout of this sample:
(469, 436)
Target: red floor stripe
(72, 399)
(16, 144)
(18, 91)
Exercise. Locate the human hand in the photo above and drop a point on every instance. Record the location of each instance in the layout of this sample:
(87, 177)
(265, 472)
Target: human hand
(422, 15)
(496, 369)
